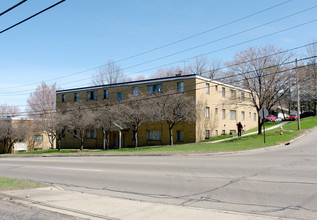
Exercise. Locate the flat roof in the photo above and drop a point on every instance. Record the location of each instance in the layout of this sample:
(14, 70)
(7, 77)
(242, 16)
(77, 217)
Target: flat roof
(164, 79)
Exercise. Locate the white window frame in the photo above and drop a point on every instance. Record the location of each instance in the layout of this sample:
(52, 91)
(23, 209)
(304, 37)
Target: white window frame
(38, 138)
(153, 135)
(207, 88)
(135, 91)
(91, 134)
(233, 114)
(207, 135)
(179, 135)
(105, 94)
(180, 86)
(223, 111)
(242, 115)
(207, 112)
(76, 97)
(63, 97)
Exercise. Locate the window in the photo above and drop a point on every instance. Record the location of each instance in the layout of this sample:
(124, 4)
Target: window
(50, 138)
(254, 116)
(207, 134)
(216, 132)
(216, 88)
(249, 114)
(233, 114)
(223, 92)
(207, 112)
(92, 95)
(135, 91)
(180, 86)
(64, 98)
(76, 97)
(153, 135)
(105, 94)
(207, 88)
(38, 138)
(232, 94)
(223, 132)
(242, 96)
(233, 132)
(91, 134)
(180, 136)
(223, 114)
(157, 88)
(242, 116)
(133, 135)
(75, 132)
(216, 111)
(119, 97)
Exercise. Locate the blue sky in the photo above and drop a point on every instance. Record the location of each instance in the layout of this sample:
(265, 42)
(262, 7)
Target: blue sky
(78, 35)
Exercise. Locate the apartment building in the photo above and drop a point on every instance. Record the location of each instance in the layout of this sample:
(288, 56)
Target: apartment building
(24, 136)
(219, 107)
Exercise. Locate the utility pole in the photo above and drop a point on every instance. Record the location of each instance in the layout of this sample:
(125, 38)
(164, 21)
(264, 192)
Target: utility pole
(298, 98)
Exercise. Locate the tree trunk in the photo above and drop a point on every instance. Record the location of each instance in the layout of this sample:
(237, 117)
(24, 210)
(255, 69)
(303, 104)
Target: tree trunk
(82, 144)
(108, 140)
(104, 139)
(136, 138)
(171, 135)
(59, 145)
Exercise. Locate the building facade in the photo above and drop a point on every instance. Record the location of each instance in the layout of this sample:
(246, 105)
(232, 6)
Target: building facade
(219, 107)
(24, 136)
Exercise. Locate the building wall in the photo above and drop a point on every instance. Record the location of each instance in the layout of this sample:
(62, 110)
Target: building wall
(216, 103)
(192, 132)
(29, 137)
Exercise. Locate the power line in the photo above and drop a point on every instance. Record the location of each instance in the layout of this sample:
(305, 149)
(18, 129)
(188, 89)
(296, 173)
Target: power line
(238, 80)
(9, 9)
(220, 68)
(222, 38)
(169, 44)
(52, 6)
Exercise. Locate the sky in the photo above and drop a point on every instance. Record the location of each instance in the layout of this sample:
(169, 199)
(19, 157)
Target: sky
(67, 44)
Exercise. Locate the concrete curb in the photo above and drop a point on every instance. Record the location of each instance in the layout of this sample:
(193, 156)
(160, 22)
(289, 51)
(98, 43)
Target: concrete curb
(187, 153)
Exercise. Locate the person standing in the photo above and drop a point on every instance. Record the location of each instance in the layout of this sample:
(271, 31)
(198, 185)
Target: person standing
(239, 126)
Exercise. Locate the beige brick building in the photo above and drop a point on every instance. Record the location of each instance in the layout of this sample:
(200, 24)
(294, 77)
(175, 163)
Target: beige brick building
(219, 107)
(28, 139)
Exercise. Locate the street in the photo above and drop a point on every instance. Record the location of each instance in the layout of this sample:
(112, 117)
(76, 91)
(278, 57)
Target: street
(277, 182)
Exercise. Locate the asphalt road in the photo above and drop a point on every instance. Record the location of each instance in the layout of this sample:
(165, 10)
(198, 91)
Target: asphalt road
(273, 182)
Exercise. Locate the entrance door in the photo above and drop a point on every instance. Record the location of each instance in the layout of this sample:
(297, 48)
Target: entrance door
(115, 140)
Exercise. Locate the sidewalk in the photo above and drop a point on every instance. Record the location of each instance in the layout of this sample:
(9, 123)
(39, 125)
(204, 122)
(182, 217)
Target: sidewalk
(245, 134)
(89, 206)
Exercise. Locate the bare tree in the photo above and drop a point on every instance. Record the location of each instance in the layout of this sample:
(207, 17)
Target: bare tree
(168, 71)
(8, 111)
(309, 81)
(54, 126)
(42, 102)
(264, 74)
(79, 118)
(199, 66)
(11, 132)
(174, 108)
(108, 74)
(135, 111)
(213, 68)
(107, 117)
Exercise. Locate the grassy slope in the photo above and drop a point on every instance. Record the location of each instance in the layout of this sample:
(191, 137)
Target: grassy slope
(14, 184)
(248, 142)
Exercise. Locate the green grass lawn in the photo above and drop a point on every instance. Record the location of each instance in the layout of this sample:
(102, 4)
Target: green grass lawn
(273, 137)
(14, 184)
